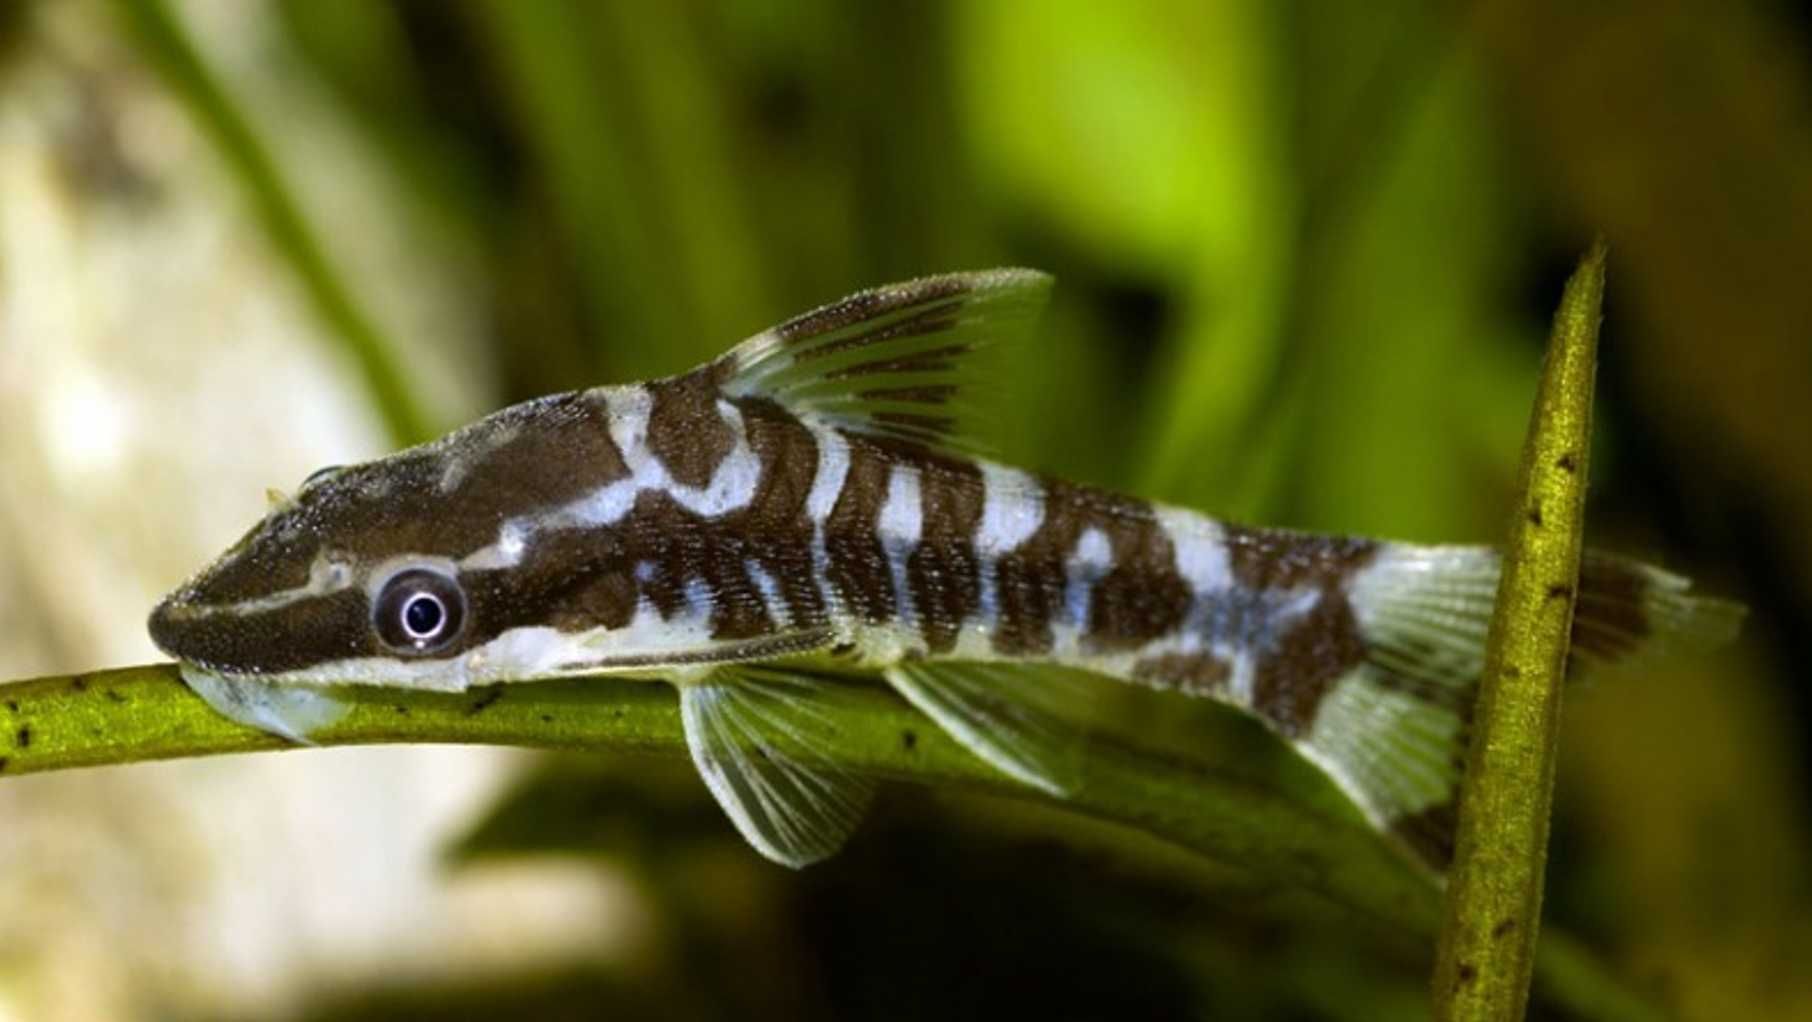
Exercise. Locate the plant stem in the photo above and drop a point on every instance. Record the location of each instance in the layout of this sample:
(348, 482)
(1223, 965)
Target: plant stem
(1486, 954)
(145, 713)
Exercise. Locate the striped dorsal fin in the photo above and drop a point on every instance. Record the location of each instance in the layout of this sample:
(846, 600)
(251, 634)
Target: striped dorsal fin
(908, 361)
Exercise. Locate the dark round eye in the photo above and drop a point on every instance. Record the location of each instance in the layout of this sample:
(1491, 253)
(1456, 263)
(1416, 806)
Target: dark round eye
(419, 610)
(319, 474)
(423, 615)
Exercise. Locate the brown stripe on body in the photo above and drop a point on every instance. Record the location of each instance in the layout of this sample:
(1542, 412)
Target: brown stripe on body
(578, 579)
(558, 450)
(738, 610)
(570, 580)
(683, 547)
(1030, 579)
(1280, 559)
(688, 433)
(775, 523)
(858, 568)
(657, 534)
(1298, 667)
(943, 573)
(685, 429)
(1144, 597)
(1140, 599)
(575, 579)
(1295, 674)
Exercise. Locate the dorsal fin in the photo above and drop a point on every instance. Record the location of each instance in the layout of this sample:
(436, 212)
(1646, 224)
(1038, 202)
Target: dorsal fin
(907, 361)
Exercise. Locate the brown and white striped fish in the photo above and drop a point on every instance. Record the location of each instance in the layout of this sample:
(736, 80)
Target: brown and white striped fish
(806, 495)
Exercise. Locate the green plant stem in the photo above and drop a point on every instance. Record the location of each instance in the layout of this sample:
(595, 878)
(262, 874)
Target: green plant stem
(146, 713)
(1486, 954)
(162, 38)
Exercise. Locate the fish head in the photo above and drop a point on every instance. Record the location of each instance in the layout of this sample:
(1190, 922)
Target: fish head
(415, 569)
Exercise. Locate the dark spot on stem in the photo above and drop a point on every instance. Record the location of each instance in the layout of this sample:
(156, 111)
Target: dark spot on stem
(1567, 463)
(1512, 671)
(484, 701)
(13, 705)
(23, 738)
(909, 740)
(78, 684)
(1467, 973)
(1503, 929)
(401, 710)
(1535, 515)
(113, 695)
(547, 718)
(1558, 591)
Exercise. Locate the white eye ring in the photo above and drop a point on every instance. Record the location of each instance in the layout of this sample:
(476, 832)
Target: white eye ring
(417, 613)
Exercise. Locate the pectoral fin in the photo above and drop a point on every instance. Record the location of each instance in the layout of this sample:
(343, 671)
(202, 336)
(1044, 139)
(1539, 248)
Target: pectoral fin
(288, 711)
(756, 736)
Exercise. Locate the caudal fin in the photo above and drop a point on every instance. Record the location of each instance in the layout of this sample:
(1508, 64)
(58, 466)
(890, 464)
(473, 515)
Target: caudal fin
(1393, 731)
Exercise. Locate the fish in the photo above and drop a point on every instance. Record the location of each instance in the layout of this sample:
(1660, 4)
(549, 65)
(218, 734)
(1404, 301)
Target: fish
(810, 509)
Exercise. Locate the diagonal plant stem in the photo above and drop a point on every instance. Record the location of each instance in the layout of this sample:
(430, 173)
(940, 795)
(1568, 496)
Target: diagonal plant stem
(1486, 953)
(146, 713)
(162, 38)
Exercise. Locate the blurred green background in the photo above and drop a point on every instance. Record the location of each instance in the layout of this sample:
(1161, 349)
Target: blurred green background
(1306, 253)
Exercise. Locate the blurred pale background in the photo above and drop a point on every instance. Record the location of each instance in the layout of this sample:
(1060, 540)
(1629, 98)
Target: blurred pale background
(1305, 254)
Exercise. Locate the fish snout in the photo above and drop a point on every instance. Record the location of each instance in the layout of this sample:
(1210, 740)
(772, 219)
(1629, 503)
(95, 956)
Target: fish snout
(167, 623)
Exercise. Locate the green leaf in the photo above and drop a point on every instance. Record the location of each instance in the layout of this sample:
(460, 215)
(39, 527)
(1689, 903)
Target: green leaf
(1215, 809)
(1487, 948)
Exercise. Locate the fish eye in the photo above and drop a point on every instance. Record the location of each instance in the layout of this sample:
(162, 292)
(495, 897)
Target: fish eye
(319, 474)
(419, 610)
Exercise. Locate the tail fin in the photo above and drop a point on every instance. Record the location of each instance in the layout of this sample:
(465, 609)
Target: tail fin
(1393, 731)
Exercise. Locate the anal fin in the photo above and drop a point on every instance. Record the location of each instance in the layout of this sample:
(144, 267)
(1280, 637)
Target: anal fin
(754, 733)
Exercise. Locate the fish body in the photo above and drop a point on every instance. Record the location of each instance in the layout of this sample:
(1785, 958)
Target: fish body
(810, 495)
